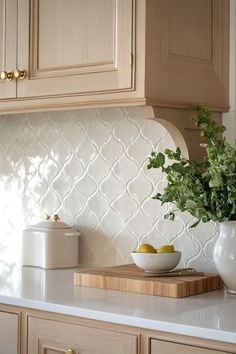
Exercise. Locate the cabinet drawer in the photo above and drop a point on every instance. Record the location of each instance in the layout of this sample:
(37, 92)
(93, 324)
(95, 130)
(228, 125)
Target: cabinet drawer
(9, 333)
(163, 347)
(54, 337)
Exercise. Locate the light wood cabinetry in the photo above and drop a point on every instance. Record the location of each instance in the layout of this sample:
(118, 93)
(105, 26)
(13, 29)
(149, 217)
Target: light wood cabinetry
(9, 333)
(74, 47)
(8, 21)
(54, 337)
(70, 51)
(163, 53)
(164, 347)
(51, 333)
(191, 64)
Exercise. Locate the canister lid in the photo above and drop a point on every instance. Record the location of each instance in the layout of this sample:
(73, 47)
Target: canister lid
(50, 223)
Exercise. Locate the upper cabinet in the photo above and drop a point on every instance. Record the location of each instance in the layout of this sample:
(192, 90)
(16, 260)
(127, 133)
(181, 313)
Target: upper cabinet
(8, 44)
(74, 47)
(61, 54)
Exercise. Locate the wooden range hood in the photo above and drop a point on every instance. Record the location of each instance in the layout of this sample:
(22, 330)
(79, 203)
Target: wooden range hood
(188, 64)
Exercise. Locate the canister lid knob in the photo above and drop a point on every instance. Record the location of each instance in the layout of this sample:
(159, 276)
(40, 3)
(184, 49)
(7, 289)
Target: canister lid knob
(55, 218)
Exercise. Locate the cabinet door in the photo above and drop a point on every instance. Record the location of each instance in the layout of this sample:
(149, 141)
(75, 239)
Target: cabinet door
(9, 333)
(74, 47)
(54, 337)
(162, 347)
(8, 11)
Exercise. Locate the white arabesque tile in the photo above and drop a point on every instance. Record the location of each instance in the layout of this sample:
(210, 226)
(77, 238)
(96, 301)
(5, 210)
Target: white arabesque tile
(98, 205)
(126, 205)
(138, 149)
(111, 188)
(126, 131)
(126, 169)
(149, 132)
(99, 169)
(170, 229)
(140, 224)
(90, 167)
(140, 188)
(112, 150)
(111, 116)
(98, 133)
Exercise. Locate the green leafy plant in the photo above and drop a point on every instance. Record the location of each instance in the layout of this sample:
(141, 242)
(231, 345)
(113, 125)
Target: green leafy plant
(206, 189)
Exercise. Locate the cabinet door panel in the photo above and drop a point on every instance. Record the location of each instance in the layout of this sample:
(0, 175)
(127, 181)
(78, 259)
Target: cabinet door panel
(80, 23)
(54, 337)
(162, 347)
(9, 333)
(8, 45)
(75, 46)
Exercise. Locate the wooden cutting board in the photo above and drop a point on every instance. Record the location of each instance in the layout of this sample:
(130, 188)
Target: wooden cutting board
(130, 278)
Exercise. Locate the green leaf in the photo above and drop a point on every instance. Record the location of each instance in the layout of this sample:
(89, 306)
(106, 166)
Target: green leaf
(160, 159)
(190, 204)
(177, 167)
(167, 197)
(156, 160)
(195, 224)
(170, 216)
(214, 182)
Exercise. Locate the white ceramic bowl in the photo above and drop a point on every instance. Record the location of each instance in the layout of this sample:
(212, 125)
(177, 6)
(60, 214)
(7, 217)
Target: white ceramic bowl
(156, 262)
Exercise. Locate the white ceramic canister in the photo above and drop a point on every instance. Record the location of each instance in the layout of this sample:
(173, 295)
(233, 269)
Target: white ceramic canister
(50, 244)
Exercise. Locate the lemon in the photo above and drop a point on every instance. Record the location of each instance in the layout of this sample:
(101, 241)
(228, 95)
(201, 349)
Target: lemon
(165, 249)
(145, 248)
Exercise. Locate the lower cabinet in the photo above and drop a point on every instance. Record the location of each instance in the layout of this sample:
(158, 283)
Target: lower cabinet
(9, 333)
(55, 337)
(164, 347)
(50, 333)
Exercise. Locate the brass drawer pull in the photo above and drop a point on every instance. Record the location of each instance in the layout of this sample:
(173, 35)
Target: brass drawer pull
(70, 351)
(20, 74)
(7, 75)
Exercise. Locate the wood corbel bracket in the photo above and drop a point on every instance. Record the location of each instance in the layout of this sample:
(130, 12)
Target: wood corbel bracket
(178, 122)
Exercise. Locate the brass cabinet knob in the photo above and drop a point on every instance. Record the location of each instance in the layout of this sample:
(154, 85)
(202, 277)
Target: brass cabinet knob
(70, 351)
(20, 74)
(7, 75)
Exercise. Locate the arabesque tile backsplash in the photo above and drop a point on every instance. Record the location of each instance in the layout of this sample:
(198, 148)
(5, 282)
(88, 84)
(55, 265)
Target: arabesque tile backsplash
(89, 166)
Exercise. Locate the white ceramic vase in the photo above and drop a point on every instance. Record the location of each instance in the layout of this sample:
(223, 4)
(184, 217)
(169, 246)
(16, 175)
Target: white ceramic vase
(224, 255)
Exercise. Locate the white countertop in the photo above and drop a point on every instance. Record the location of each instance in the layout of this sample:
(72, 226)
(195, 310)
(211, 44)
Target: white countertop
(211, 315)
